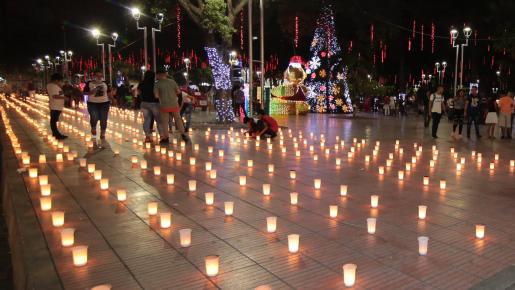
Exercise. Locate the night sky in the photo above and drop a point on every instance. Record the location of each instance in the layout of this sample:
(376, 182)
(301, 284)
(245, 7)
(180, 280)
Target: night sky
(33, 28)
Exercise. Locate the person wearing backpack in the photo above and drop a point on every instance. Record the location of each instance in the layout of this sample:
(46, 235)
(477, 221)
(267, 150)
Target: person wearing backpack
(98, 104)
(436, 108)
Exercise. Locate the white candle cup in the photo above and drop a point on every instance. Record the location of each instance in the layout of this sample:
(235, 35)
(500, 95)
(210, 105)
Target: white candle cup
(422, 211)
(480, 231)
(237, 157)
(431, 163)
(250, 163)
(210, 198)
(408, 167)
(422, 245)
(512, 163)
(343, 190)
(496, 157)
(208, 166)
(134, 159)
(367, 158)
(143, 164)
(33, 172)
(82, 162)
(400, 175)
(374, 201)
(293, 243)
(104, 184)
(243, 180)
(338, 161)
(80, 255)
(293, 174)
(185, 237)
(170, 179)
(315, 157)
(58, 218)
(371, 225)
(425, 181)
(42, 159)
(210, 149)
(46, 190)
(349, 274)
(121, 194)
(102, 287)
(266, 189)
(97, 175)
(152, 207)
(229, 208)
(381, 170)
(45, 203)
(165, 219)
(220, 153)
(67, 237)
(413, 159)
(270, 168)
(271, 224)
(443, 184)
(462, 160)
(333, 211)
(192, 185)
(294, 198)
(492, 166)
(91, 168)
(157, 170)
(317, 183)
(43, 180)
(212, 265)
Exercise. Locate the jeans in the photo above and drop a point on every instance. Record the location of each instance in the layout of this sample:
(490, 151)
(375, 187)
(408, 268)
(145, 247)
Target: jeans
(165, 118)
(458, 120)
(186, 111)
(150, 113)
(98, 112)
(54, 118)
(473, 118)
(436, 120)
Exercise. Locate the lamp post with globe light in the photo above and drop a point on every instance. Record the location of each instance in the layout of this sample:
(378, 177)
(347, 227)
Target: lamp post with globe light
(440, 69)
(136, 14)
(67, 57)
(467, 32)
(96, 34)
(114, 37)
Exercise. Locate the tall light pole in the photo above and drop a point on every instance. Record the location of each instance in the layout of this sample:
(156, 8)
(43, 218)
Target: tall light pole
(467, 31)
(114, 37)
(136, 13)
(159, 18)
(454, 36)
(67, 57)
(96, 34)
(251, 58)
(262, 47)
(187, 64)
(440, 71)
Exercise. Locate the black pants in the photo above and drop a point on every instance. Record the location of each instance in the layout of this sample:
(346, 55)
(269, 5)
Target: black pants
(458, 120)
(436, 120)
(473, 118)
(426, 116)
(98, 112)
(54, 118)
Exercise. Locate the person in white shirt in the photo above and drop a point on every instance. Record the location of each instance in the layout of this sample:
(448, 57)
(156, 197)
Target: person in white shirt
(56, 103)
(98, 104)
(436, 108)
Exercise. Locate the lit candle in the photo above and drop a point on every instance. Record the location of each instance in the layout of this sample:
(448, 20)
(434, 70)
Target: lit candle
(270, 168)
(157, 170)
(452, 150)
(297, 153)
(58, 218)
(25, 159)
(455, 155)
(46, 203)
(414, 159)
(401, 151)
(349, 154)
(134, 159)
(212, 263)
(212, 174)
(492, 166)
(333, 211)
(390, 155)
(271, 224)
(121, 194)
(43, 180)
(294, 198)
(67, 237)
(208, 165)
(33, 172)
(42, 159)
(196, 147)
(192, 185)
(210, 198)
(293, 243)
(349, 274)
(220, 153)
(250, 163)
(422, 245)
(462, 160)
(343, 190)
(367, 158)
(426, 180)
(473, 153)
(401, 175)
(157, 148)
(408, 166)
(102, 287)
(293, 174)
(178, 156)
(165, 219)
(315, 157)
(443, 184)
(338, 161)
(170, 179)
(152, 207)
(458, 167)
(374, 201)
(371, 225)
(422, 210)
(192, 161)
(512, 163)
(170, 154)
(266, 189)
(237, 158)
(243, 180)
(97, 174)
(80, 255)
(283, 150)
(381, 170)
(229, 208)
(104, 184)
(91, 168)
(185, 237)
(317, 183)
(82, 162)
(431, 163)
(480, 231)
(496, 157)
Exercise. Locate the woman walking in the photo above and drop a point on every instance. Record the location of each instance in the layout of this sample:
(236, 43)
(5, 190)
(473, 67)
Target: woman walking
(149, 105)
(98, 104)
(491, 117)
(458, 114)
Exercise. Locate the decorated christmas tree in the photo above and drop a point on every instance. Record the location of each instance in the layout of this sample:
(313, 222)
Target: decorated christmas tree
(327, 75)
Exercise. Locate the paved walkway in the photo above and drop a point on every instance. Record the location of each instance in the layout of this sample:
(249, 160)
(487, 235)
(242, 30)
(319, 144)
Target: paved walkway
(129, 250)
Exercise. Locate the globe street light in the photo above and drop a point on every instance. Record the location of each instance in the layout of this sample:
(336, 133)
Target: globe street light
(440, 69)
(114, 37)
(67, 57)
(96, 34)
(467, 32)
(136, 14)
(187, 64)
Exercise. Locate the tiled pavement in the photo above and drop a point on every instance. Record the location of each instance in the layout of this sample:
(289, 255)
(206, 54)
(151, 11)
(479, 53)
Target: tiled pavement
(128, 249)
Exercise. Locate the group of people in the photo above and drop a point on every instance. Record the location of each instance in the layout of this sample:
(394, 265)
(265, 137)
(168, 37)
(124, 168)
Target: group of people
(161, 101)
(265, 126)
(467, 108)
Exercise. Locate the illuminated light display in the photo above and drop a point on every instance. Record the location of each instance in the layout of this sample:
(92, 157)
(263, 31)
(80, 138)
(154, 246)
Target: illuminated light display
(222, 81)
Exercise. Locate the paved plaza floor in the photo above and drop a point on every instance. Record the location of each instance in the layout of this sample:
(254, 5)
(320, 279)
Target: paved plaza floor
(128, 248)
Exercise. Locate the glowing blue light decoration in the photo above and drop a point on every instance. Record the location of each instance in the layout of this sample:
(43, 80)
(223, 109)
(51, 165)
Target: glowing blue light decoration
(221, 70)
(224, 112)
(327, 79)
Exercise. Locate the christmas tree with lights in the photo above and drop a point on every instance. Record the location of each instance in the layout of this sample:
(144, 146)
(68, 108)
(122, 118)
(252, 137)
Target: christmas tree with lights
(327, 75)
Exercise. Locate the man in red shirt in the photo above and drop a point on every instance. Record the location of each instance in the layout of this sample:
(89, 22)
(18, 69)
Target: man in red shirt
(270, 126)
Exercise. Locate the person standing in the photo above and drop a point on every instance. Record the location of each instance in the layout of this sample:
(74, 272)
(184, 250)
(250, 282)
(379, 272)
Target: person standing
(149, 105)
(473, 111)
(56, 103)
(491, 118)
(459, 111)
(186, 107)
(436, 107)
(386, 105)
(238, 100)
(98, 104)
(166, 90)
(506, 109)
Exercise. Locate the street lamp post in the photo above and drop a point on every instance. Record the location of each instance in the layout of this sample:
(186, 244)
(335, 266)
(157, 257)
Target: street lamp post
(114, 37)
(96, 34)
(262, 47)
(251, 58)
(67, 57)
(187, 64)
(441, 71)
(159, 19)
(467, 32)
(136, 13)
